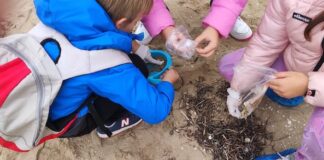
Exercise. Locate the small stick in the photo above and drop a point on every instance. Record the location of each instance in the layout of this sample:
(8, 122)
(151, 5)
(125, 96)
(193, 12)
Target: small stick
(188, 119)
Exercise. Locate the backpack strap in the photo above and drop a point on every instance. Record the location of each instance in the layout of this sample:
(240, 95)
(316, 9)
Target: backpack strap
(74, 62)
(321, 61)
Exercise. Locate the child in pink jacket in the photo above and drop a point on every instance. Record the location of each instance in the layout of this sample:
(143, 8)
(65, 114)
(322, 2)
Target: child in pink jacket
(220, 21)
(290, 39)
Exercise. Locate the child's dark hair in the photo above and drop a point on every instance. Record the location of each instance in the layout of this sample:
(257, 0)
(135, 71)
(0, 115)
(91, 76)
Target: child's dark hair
(317, 20)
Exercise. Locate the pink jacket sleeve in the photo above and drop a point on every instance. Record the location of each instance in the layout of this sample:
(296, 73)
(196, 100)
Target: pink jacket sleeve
(271, 38)
(158, 19)
(268, 42)
(223, 14)
(316, 83)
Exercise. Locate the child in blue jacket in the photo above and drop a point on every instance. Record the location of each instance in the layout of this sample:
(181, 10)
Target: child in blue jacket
(125, 95)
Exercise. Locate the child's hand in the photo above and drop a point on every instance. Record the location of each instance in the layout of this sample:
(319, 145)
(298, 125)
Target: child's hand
(210, 36)
(167, 32)
(170, 76)
(290, 84)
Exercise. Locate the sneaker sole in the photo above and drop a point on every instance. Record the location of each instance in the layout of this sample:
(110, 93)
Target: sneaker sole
(104, 136)
(242, 40)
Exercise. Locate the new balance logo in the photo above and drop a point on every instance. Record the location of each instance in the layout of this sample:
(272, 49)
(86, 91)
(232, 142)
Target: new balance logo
(125, 122)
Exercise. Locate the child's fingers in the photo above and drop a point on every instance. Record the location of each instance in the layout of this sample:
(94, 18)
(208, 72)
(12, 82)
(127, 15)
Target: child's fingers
(275, 82)
(201, 52)
(163, 75)
(199, 39)
(207, 54)
(282, 75)
(274, 87)
(207, 51)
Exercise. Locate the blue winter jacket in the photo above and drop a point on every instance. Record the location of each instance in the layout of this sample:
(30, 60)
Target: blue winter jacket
(89, 27)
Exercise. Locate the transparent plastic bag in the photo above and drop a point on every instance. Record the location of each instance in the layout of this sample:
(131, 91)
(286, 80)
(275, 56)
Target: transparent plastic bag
(181, 44)
(250, 84)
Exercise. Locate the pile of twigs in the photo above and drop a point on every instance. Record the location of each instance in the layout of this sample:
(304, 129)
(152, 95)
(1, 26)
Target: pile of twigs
(216, 131)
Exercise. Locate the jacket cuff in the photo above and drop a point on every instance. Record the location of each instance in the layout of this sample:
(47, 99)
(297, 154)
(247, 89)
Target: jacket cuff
(166, 88)
(315, 95)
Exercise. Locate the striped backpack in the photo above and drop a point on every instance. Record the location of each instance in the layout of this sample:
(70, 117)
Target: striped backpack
(30, 80)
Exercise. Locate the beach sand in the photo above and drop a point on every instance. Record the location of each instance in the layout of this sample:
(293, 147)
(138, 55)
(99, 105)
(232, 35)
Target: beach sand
(147, 142)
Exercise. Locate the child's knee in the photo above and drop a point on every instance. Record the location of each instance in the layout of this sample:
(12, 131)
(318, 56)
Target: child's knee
(228, 62)
(226, 71)
(226, 68)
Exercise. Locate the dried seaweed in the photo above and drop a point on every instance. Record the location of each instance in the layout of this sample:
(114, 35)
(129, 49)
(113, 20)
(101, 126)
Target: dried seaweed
(216, 131)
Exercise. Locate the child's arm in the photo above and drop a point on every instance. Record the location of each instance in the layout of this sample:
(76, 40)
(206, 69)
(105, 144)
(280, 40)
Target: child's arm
(269, 41)
(125, 85)
(271, 38)
(158, 19)
(267, 44)
(223, 15)
(294, 84)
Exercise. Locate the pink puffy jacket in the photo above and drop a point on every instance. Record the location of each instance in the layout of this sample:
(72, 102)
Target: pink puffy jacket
(282, 32)
(222, 16)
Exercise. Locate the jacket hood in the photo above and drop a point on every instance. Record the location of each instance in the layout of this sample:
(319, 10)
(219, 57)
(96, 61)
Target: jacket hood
(85, 24)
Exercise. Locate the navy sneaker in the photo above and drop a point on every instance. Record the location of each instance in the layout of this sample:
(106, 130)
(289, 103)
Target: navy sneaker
(284, 155)
(293, 102)
(127, 121)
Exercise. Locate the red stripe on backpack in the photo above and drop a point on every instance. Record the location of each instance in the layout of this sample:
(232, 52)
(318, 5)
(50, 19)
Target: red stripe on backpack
(65, 129)
(11, 73)
(10, 145)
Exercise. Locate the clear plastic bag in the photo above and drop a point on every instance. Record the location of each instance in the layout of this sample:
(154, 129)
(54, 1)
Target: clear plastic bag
(250, 84)
(181, 44)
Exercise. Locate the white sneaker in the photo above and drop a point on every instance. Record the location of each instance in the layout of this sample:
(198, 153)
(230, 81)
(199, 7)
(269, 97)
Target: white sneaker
(241, 30)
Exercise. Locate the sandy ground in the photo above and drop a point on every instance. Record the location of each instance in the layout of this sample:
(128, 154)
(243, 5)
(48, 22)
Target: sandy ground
(157, 142)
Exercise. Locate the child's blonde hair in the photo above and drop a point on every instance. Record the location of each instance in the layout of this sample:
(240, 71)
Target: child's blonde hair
(130, 9)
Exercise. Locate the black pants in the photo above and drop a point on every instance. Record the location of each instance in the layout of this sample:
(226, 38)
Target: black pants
(108, 110)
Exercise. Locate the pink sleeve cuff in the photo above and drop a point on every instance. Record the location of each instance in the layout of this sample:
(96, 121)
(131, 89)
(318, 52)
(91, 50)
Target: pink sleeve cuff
(223, 15)
(158, 19)
(316, 83)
